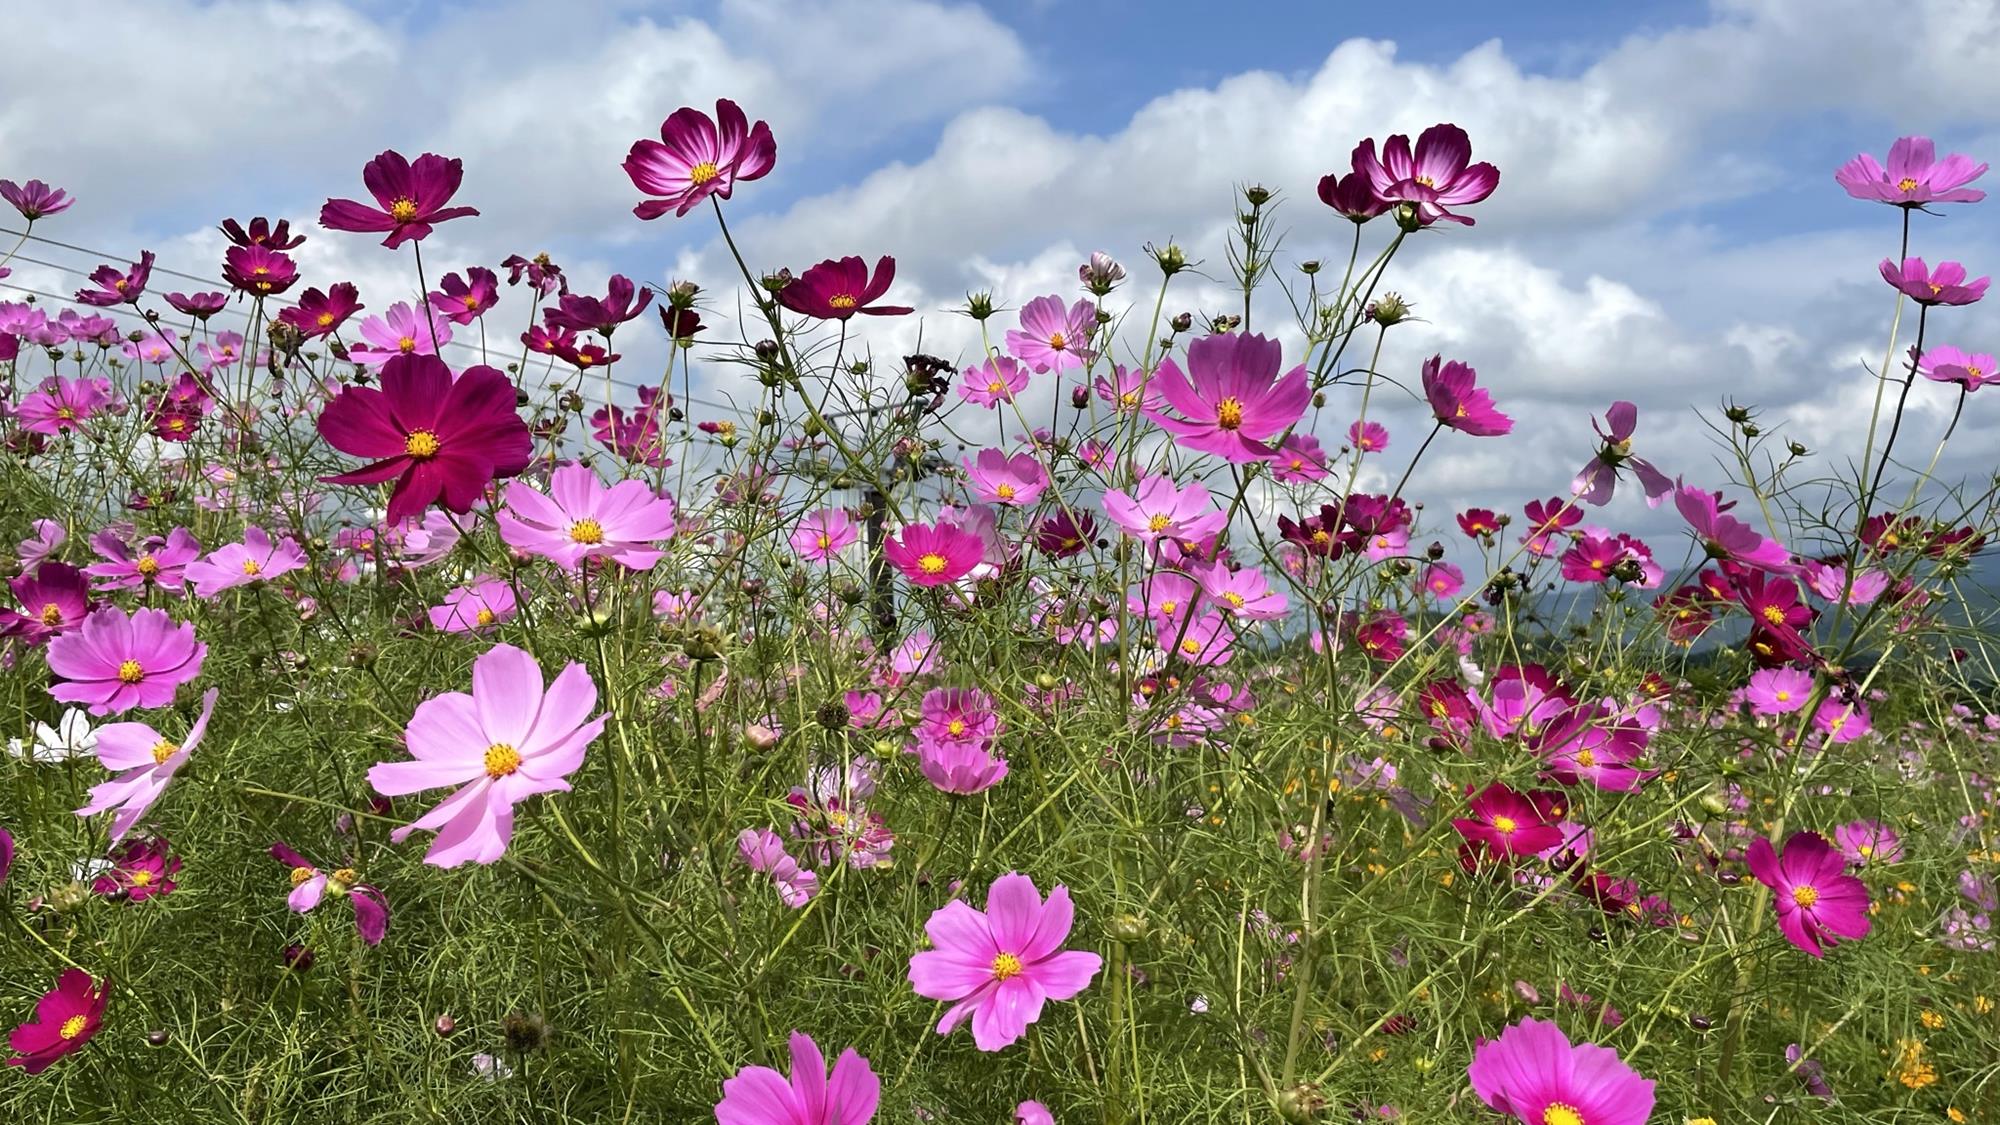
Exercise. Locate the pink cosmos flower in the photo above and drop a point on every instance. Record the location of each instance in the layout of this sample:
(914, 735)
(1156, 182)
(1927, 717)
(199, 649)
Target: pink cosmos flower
(1129, 390)
(35, 198)
(441, 439)
(1863, 842)
(400, 331)
(1598, 479)
(116, 662)
(61, 404)
(1442, 580)
(463, 300)
(1725, 536)
(54, 599)
(1244, 594)
(259, 270)
(934, 554)
(412, 198)
(837, 289)
(1945, 285)
(697, 157)
(1548, 522)
(116, 286)
(1829, 579)
(148, 760)
(823, 534)
(1914, 177)
(1533, 1074)
(1015, 481)
(1229, 404)
(765, 853)
(48, 538)
(1460, 405)
(544, 276)
(320, 314)
(1002, 964)
(480, 607)
(256, 559)
(1946, 364)
(996, 381)
(758, 1095)
(65, 1019)
(507, 740)
(1161, 510)
(1051, 339)
(1300, 458)
(1368, 437)
(262, 233)
(582, 517)
(960, 767)
(1842, 720)
(201, 306)
(140, 869)
(1778, 691)
(1437, 177)
(154, 562)
(1818, 902)
(1351, 195)
(310, 886)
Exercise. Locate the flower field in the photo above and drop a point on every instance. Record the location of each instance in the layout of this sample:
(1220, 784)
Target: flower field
(409, 720)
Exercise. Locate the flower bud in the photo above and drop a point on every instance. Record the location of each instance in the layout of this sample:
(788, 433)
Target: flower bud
(1171, 258)
(1257, 194)
(979, 305)
(1128, 928)
(444, 1025)
(1408, 218)
(1389, 308)
(1182, 322)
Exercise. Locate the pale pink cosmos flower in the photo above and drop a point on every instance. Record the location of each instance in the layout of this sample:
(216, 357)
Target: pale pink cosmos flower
(1863, 842)
(507, 740)
(1829, 579)
(480, 607)
(997, 478)
(48, 538)
(758, 1095)
(400, 331)
(763, 851)
(1244, 593)
(256, 559)
(310, 886)
(823, 534)
(582, 517)
(960, 767)
(116, 661)
(996, 381)
(1051, 339)
(145, 761)
(1160, 509)
(154, 562)
(1000, 965)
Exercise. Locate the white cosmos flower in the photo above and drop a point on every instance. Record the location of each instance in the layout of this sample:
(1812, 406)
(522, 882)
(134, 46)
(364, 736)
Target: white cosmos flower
(71, 737)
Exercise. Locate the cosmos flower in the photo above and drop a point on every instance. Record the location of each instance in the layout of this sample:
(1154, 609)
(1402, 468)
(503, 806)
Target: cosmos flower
(71, 737)
(116, 286)
(60, 404)
(201, 306)
(1352, 195)
(262, 233)
(115, 661)
(155, 562)
(698, 156)
(1945, 364)
(140, 869)
(1914, 176)
(581, 517)
(1051, 339)
(259, 270)
(934, 554)
(1533, 1074)
(256, 559)
(463, 300)
(310, 886)
(1436, 177)
(1228, 402)
(65, 1019)
(1458, 403)
(1161, 510)
(1598, 479)
(960, 767)
(1945, 285)
(145, 761)
(996, 381)
(54, 599)
(621, 302)
(544, 276)
(1818, 903)
(402, 331)
(507, 740)
(758, 1095)
(1865, 842)
(320, 314)
(412, 198)
(823, 534)
(1725, 536)
(836, 290)
(442, 440)
(478, 607)
(999, 966)
(997, 478)
(1506, 825)
(1778, 691)
(35, 199)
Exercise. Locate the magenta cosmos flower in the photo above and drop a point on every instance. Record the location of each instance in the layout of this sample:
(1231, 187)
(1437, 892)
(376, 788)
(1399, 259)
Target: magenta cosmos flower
(412, 198)
(1914, 176)
(1863, 842)
(934, 554)
(54, 599)
(1533, 1074)
(1436, 177)
(622, 301)
(310, 886)
(140, 869)
(319, 314)
(697, 157)
(1945, 285)
(1505, 824)
(35, 199)
(59, 404)
(116, 286)
(1725, 536)
(145, 761)
(259, 270)
(836, 290)
(65, 1019)
(463, 300)
(442, 440)
(256, 559)
(1946, 364)
(116, 662)
(509, 739)
(824, 534)
(1599, 479)
(1229, 404)
(1818, 902)
(1458, 403)
(758, 1095)
(582, 517)
(1051, 339)
(201, 306)
(999, 966)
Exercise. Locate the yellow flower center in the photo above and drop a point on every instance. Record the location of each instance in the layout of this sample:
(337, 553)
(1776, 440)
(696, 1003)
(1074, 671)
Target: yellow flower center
(1158, 523)
(703, 172)
(841, 301)
(1006, 967)
(177, 424)
(162, 750)
(324, 320)
(147, 566)
(406, 345)
(1170, 607)
(301, 874)
(1805, 895)
(472, 300)
(72, 1027)
(130, 672)
(956, 727)
(1461, 411)
(1430, 183)
(1004, 492)
(484, 616)
(1058, 341)
(66, 414)
(421, 444)
(1191, 646)
(501, 760)
(1229, 413)
(1505, 825)
(995, 387)
(403, 210)
(340, 880)
(587, 532)
(51, 615)
(1561, 1114)
(1866, 850)
(121, 284)
(932, 563)
(825, 542)
(1906, 184)
(142, 878)
(1935, 288)
(1782, 696)
(1774, 615)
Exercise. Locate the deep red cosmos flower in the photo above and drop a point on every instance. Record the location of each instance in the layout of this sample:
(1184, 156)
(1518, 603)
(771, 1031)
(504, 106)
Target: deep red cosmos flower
(836, 290)
(622, 301)
(413, 198)
(442, 440)
(262, 233)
